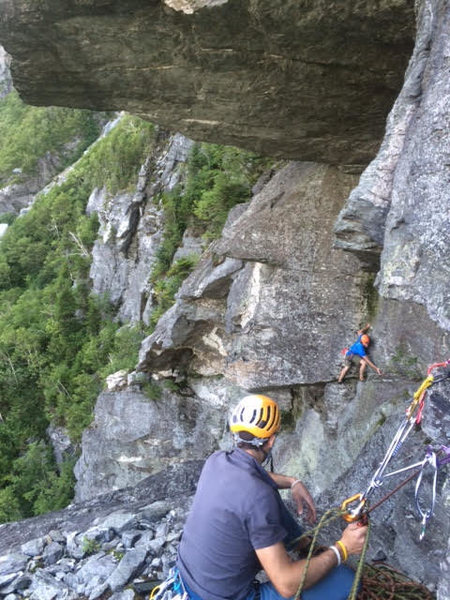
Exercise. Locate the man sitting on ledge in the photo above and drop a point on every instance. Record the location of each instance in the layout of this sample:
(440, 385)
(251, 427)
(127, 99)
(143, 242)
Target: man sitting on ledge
(239, 524)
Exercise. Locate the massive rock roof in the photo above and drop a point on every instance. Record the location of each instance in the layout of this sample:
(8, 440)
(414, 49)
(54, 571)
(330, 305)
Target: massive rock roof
(308, 80)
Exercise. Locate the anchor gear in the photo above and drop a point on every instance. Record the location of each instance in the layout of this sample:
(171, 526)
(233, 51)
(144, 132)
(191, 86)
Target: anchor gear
(413, 416)
(256, 414)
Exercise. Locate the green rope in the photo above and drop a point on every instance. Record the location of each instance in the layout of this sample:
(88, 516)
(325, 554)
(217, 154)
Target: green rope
(380, 583)
(327, 517)
(359, 569)
(335, 514)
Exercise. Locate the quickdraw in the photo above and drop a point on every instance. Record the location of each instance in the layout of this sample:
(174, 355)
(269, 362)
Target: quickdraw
(434, 459)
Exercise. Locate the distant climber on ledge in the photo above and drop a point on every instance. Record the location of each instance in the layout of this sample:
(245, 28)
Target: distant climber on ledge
(358, 352)
(238, 524)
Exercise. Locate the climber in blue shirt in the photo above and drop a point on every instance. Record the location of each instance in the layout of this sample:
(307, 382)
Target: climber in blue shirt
(238, 524)
(358, 352)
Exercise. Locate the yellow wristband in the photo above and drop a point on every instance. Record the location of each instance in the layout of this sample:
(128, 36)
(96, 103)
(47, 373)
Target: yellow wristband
(344, 550)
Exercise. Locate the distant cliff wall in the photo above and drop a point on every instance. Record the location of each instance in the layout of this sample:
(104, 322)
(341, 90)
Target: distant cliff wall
(5, 75)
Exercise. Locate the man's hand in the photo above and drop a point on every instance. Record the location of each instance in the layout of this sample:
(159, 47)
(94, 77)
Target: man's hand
(379, 371)
(303, 499)
(353, 537)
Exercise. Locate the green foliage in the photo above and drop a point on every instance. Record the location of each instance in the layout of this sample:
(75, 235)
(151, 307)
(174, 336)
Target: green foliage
(370, 295)
(34, 485)
(28, 133)
(58, 491)
(124, 349)
(152, 390)
(58, 341)
(90, 546)
(115, 160)
(118, 554)
(9, 505)
(217, 179)
(172, 385)
(164, 290)
(8, 218)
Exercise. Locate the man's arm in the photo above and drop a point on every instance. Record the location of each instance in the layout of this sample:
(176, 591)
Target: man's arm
(286, 574)
(371, 364)
(364, 329)
(300, 494)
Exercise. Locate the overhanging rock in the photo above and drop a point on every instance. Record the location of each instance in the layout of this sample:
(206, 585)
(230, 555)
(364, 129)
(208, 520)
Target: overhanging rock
(310, 80)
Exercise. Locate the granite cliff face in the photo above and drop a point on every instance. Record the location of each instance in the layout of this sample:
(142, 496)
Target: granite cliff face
(315, 253)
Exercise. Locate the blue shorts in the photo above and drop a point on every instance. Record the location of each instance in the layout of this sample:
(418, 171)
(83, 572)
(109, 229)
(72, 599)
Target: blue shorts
(335, 586)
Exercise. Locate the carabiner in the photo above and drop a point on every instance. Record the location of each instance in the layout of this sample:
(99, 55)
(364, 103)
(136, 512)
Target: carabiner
(425, 515)
(355, 514)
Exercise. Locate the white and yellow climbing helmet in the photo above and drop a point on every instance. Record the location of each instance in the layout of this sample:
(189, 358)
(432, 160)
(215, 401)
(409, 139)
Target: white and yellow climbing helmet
(256, 414)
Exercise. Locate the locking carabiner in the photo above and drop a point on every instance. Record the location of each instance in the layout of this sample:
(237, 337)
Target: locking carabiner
(355, 514)
(425, 515)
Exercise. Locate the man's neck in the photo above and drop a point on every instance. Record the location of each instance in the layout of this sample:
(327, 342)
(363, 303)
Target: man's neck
(257, 453)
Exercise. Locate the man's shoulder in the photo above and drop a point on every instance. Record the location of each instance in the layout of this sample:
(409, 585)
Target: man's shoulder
(237, 466)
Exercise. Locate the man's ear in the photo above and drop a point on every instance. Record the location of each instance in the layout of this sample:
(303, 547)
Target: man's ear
(270, 442)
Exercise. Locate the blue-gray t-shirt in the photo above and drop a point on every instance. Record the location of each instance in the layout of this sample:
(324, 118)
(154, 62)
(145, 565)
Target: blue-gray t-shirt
(236, 509)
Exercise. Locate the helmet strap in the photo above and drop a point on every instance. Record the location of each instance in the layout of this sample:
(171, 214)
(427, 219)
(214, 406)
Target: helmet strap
(257, 442)
(268, 459)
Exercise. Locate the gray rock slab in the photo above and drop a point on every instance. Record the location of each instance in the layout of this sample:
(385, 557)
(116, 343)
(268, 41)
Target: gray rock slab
(33, 547)
(5, 580)
(127, 568)
(52, 553)
(129, 538)
(119, 521)
(13, 563)
(46, 587)
(95, 571)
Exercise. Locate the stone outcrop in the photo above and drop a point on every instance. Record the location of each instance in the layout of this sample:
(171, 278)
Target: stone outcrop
(228, 332)
(131, 227)
(400, 207)
(310, 81)
(133, 435)
(19, 196)
(229, 319)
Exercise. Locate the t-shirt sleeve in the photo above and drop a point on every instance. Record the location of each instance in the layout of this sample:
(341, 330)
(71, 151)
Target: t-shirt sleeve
(264, 523)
